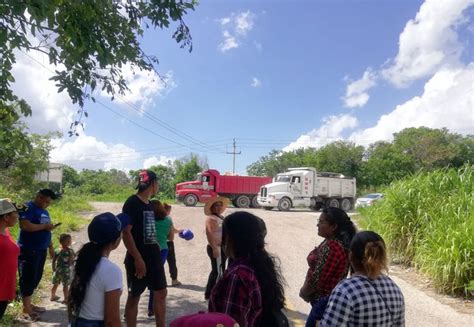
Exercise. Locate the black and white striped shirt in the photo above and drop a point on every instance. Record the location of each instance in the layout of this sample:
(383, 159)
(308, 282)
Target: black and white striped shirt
(360, 301)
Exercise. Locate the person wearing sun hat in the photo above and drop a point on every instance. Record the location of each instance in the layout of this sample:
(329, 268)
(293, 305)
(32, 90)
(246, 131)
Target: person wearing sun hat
(9, 252)
(94, 298)
(213, 209)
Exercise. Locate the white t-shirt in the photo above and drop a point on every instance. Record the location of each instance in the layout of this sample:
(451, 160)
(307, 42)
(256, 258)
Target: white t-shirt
(107, 277)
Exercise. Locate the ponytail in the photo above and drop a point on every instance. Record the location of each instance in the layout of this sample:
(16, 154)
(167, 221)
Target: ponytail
(87, 260)
(375, 259)
(369, 254)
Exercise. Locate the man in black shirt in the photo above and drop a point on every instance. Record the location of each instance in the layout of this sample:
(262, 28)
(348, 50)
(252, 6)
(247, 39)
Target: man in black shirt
(143, 259)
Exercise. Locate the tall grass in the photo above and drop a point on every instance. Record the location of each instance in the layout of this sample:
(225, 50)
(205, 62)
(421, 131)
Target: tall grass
(428, 222)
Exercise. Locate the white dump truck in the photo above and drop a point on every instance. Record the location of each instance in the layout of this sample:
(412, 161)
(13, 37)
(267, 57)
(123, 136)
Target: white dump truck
(305, 187)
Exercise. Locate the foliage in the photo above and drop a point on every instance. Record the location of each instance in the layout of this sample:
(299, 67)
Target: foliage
(88, 41)
(22, 155)
(428, 222)
(380, 163)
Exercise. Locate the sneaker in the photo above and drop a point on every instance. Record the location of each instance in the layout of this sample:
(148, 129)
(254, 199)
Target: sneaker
(176, 282)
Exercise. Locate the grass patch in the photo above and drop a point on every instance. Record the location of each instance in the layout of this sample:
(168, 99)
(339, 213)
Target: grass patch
(67, 212)
(427, 221)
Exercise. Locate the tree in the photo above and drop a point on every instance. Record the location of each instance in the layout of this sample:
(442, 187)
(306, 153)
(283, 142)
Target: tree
(89, 41)
(71, 178)
(21, 155)
(187, 170)
(340, 157)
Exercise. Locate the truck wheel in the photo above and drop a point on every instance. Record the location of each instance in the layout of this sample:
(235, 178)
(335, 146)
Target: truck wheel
(284, 204)
(242, 201)
(317, 206)
(254, 203)
(267, 208)
(190, 200)
(332, 203)
(346, 204)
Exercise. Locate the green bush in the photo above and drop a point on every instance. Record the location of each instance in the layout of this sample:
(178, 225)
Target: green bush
(427, 221)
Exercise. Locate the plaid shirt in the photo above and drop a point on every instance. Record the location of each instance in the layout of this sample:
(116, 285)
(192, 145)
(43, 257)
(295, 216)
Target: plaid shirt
(238, 294)
(358, 302)
(328, 264)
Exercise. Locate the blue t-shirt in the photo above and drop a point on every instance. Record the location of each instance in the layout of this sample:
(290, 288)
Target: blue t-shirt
(39, 240)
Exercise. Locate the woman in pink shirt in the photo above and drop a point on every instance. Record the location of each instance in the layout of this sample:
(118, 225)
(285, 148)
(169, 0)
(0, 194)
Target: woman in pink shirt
(9, 251)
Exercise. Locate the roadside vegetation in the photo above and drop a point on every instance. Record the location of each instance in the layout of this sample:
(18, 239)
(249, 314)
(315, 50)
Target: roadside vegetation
(428, 222)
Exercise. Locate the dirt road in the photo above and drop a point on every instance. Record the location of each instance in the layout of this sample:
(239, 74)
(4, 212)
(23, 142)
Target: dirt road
(291, 235)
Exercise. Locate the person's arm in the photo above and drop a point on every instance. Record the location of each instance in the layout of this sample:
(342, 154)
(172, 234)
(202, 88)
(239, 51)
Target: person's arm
(211, 228)
(140, 268)
(339, 310)
(54, 262)
(112, 308)
(51, 251)
(28, 226)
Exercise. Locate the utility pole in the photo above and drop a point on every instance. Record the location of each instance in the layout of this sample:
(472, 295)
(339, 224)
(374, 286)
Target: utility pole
(234, 153)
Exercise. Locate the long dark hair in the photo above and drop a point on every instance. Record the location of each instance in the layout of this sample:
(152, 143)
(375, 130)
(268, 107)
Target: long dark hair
(87, 260)
(246, 235)
(345, 227)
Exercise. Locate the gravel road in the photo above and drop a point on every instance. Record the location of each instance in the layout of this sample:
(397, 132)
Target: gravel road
(291, 235)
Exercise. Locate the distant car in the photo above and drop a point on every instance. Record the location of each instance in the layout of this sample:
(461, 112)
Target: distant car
(368, 200)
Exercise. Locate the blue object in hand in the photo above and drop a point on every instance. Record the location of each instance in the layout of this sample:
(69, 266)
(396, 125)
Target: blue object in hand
(186, 234)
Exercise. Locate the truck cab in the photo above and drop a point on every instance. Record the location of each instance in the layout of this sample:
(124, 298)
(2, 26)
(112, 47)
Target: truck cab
(199, 190)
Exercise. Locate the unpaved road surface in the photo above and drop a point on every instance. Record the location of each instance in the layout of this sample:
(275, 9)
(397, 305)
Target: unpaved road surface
(291, 235)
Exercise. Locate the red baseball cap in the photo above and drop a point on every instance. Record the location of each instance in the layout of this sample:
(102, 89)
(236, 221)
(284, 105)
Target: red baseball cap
(205, 319)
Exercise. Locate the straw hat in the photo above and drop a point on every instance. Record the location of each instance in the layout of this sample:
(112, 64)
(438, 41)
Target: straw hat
(210, 202)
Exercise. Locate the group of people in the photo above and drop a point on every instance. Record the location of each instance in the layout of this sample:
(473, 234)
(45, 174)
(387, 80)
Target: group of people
(245, 286)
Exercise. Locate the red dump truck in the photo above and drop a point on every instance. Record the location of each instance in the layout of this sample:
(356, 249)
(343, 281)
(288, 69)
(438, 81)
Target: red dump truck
(241, 190)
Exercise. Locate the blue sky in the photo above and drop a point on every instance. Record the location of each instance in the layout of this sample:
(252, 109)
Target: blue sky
(277, 75)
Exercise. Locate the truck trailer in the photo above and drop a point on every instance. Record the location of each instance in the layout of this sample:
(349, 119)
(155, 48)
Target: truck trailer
(305, 187)
(241, 190)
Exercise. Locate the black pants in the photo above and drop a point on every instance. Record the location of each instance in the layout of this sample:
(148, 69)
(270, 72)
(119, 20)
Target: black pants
(211, 281)
(30, 269)
(172, 261)
(3, 307)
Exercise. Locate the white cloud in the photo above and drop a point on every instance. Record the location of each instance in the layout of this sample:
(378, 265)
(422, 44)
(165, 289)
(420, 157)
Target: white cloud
(229, 42)
(244, 22)
(256, 82)
(236, 27)
(330, 130)
(87, 152)
(447, 101)
(52, 111)
(428, 42)
(154, 161)
(258, 45)
(225, 20)
(356, 92)
(144, 86)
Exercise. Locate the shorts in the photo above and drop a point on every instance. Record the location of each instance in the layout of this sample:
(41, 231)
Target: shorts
(62, 276)
(154, 279)
(30, 270)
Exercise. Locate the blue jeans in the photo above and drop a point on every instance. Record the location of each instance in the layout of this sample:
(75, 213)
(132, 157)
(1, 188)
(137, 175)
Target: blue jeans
(317, 310)
(81, 322)
(164, 255)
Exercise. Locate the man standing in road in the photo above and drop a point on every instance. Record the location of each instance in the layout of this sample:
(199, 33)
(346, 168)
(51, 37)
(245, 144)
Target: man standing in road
(143, 258)
(34, 241)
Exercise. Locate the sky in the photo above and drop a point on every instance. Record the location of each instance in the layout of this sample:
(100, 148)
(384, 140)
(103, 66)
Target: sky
(271, 75)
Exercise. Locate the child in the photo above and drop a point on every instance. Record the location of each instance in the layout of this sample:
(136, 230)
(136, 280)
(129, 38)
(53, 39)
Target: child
(164, 228)
(62, 262)
(171, 254)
